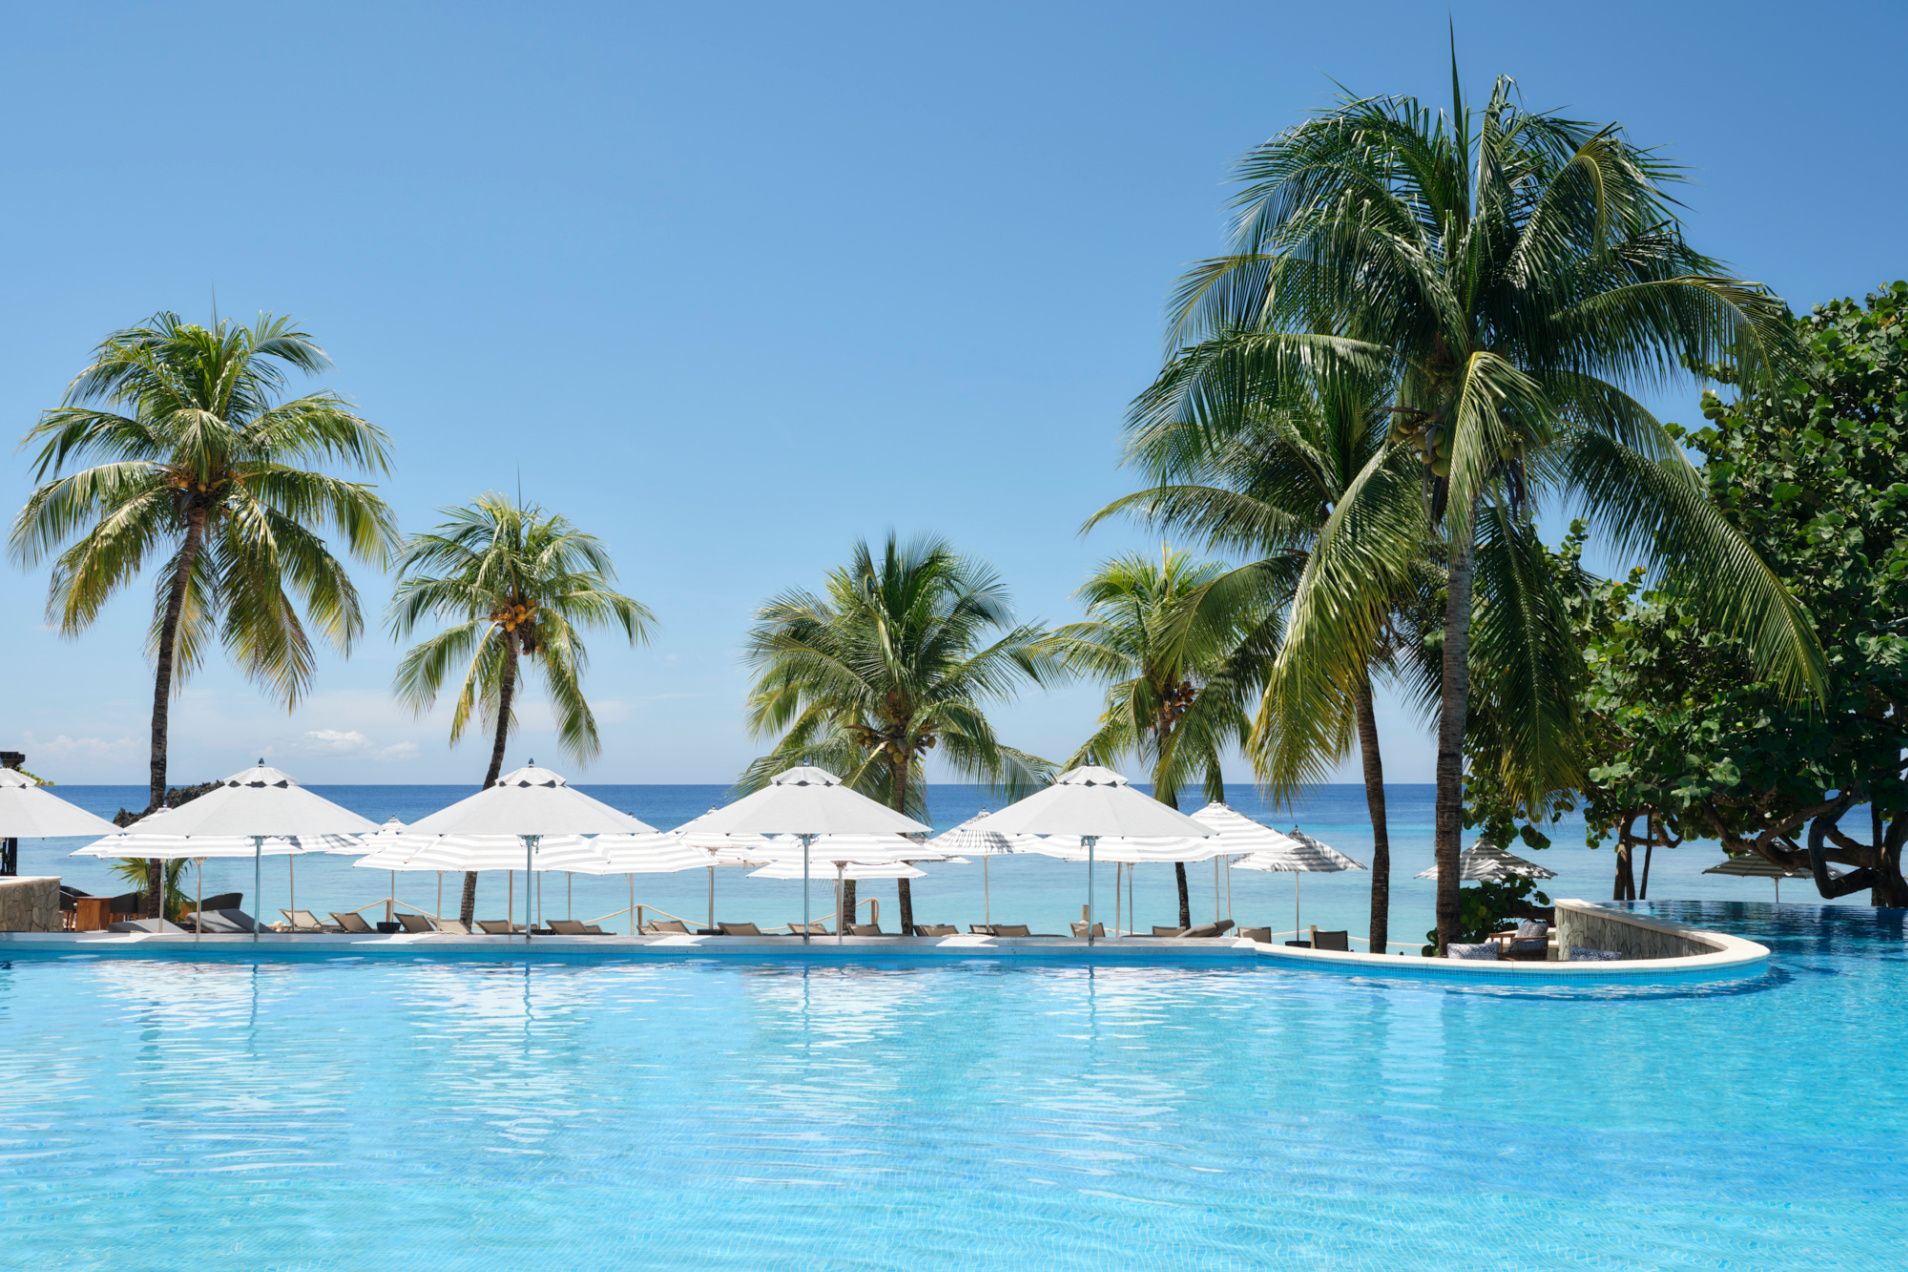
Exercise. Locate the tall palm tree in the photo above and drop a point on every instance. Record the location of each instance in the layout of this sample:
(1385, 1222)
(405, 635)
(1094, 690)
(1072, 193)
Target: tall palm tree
(1513, 274)
(901, 654)
(1265, 492)
(1165, 641)
(186, 447)
(514, 584)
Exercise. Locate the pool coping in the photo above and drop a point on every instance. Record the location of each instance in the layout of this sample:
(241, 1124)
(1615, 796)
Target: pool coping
(1726, 955)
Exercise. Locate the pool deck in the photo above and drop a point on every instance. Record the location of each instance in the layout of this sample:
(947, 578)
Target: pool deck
(1719, 954)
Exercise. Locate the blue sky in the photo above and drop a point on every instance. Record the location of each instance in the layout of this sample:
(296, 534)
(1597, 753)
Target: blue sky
(733, 285)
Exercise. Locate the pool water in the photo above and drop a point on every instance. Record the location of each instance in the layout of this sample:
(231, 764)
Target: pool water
(312, 1110)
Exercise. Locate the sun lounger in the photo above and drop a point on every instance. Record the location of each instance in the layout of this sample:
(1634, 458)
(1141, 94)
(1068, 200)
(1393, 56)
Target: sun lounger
(816, 927)
(1099, 930)
(352, 922)
(1012, 929)
(416, 923)
(145, 925)
(497, 927)
(306, 921)
(1262, 935)
(1529, 942)
(575, 927)
(981, 929)
(665, 927)
(1166, 931)
(1322, 940)
(936, 929)
(740, 929)
(865, 929)
(222, 921)
(454, 927)
(1485, 951)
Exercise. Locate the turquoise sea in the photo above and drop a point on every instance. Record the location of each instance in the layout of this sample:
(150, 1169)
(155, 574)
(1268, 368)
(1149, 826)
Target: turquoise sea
(1044, 893)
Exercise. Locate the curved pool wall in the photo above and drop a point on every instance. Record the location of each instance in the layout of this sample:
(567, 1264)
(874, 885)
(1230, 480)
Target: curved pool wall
(1697, 953)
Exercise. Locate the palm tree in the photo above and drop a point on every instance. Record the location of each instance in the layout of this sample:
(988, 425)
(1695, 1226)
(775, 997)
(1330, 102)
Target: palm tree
(514, 584)
(901, 655)
(1265, 491)
(190, 450)
(1166, 642)
(1511, 274)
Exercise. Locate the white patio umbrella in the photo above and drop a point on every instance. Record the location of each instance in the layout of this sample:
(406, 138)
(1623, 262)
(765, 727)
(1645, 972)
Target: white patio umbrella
(1751, 866)
(385, 836)
(260, 808)
(653, 852)
(1262, 848)
(1094, 804)
(969, 839)
(808, 803)
(1487, 863)
(525, 806)
(30, 811)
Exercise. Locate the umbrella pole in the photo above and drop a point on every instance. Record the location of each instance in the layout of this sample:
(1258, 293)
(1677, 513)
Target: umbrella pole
(440, 890)
(711, 924)
(1132, 919)
(1228, 887)
(258, 885)
(1118, 870)
(839, 924)
(390, 899)
(806, 841)
(1296, 876)
(1091, 840)
(529, 852)
(1217, 914)
(199, 907)
(987, 897)
(632, 904)
(510, 896)
(291, 880)
(569, 894)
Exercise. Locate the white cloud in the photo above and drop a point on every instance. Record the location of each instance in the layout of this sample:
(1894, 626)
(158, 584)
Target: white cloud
(399, 751)
(335, 742)
(66, 745)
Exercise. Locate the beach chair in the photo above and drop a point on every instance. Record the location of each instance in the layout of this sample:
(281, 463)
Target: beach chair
(222, 921)
(496, 927)
(1012, 929)
(1263, 935)
(574, 927)
(1198, 932)
(351, 922)
(665, 927)
(1099, 930)
(1331, 940)
(145, 925)
(816, 927)
(936, 929)
(416, 923)
(980, 929)
(740, 929)
(1166, 931)
(865, 929)
(306, 921)
(1528, 942)
(454, 927)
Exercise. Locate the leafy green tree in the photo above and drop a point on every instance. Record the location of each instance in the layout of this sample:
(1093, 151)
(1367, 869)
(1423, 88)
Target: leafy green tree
(901, 655)
(1815, 471)
(177, 444)
(515, 586)
(1512, 275)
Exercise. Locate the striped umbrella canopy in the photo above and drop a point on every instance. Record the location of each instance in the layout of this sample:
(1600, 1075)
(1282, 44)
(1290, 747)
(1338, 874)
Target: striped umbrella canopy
(856, 870)
(1278, 852)
(1487, 863)
(1750, 866)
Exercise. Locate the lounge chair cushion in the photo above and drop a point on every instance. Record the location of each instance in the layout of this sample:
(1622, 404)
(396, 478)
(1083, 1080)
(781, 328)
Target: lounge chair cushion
(865, 929)
(936, 929)
(456, 927)
(1166, 931)
(1532, 930)
(1012, 929)
(1483, 951)
(816, 927)
(145, 925)
(492, 927)
(666, 927)
(574, 927)
(1587, 954)
(223, 921)
(738, 929)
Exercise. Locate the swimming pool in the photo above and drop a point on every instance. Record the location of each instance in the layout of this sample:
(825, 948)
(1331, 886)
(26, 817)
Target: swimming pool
(316, 1111)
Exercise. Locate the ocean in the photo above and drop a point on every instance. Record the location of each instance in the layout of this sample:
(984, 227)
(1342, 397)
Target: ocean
(1041, 892)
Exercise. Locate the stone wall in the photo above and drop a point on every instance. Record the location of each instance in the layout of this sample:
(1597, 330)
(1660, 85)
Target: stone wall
(30, 905)
(1591, 927)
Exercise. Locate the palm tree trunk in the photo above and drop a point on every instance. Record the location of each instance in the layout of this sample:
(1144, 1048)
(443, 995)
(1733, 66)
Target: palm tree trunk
(506, 690)
(1454, 700)
(902, 890)
(1167, 793)
(1375, 805)
(162, 692)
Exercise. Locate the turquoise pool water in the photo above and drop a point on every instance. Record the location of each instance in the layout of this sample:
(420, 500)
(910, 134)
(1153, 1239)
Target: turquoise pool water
(316, 1111)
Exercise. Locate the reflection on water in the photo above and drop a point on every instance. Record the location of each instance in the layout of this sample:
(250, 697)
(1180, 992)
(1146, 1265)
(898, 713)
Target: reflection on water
(363, 1112)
